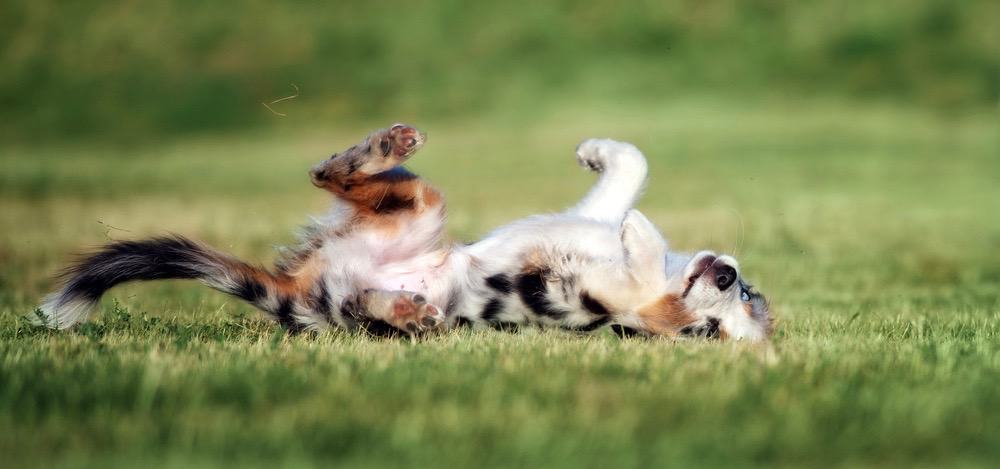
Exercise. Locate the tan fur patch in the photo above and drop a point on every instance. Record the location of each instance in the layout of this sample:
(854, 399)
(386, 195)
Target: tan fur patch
(534, 260)
(281, 283)
(666, 316)
(431, 197)
(295, 275)
(308, 272)
(382, 201)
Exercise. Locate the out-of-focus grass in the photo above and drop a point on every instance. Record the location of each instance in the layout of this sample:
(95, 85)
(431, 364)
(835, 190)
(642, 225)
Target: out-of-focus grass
(122, 70)
(872, 229)
(846, 153)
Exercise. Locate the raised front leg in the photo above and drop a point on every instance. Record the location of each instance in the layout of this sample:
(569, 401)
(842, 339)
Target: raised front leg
(381, 151)
(369, 176)
(622, 170)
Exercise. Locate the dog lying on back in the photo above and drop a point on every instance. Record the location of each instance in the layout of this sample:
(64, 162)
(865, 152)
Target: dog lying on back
(376, 261)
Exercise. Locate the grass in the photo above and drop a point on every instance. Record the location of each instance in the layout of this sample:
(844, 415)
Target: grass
(871, 227)
(107, 70)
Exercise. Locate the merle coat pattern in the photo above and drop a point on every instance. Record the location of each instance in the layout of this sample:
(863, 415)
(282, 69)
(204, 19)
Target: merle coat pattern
(376, 262)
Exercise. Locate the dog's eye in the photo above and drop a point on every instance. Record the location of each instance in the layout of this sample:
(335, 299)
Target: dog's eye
(745, 296)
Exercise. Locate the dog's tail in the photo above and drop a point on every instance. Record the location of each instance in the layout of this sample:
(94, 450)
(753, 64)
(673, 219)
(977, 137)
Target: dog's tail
(172, 257)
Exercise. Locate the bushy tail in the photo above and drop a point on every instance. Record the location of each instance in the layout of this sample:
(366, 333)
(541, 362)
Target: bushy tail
(172, 257)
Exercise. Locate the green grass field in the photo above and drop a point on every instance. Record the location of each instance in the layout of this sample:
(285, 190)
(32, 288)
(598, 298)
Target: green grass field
(872, 228)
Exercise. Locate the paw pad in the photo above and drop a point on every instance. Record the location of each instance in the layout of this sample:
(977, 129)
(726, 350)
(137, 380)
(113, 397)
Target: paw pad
(412, 312)
(400, 141)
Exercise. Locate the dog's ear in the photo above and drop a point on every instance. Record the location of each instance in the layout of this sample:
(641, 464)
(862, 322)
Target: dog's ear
(645, 249)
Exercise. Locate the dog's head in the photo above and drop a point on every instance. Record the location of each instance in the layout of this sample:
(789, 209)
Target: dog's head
(721, 302)
(704, 295)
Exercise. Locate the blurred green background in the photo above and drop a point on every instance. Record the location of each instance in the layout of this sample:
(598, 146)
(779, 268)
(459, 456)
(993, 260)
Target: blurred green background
(127, 69)
(847, 153)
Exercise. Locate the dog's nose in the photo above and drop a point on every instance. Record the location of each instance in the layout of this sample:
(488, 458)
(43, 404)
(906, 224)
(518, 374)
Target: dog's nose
(725, 276)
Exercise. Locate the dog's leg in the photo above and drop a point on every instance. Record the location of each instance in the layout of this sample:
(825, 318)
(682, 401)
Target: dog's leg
(381, 151)
(622, 169)
(383, 312)
(368, 175)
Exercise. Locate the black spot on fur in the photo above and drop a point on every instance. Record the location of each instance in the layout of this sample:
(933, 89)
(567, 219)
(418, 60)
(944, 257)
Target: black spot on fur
(453, 303)
(594, 306)
(500, 283)
(321, 300)
(385, 146)
(624, 332)
(250, 289)
(284, 314)
(352, 166)
(320, 174)
(533, 292)
(491, 309)
(379, 328)
(593, 325)
(505, 326)
(352, 311)
(709, 330)
(712, 330)
(463, 322)
(394, 203)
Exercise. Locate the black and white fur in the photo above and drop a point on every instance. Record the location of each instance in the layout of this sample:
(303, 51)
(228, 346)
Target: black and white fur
(377, 262)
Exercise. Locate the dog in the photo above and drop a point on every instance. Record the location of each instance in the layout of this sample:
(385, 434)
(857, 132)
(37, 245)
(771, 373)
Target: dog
(376, 261)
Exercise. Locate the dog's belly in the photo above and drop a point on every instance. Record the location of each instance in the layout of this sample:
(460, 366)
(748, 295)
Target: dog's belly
(427, 275)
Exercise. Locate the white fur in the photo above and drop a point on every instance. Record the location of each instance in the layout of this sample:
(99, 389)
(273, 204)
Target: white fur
(623, 171)
(61, 313)
(601, 244)
(601, 248)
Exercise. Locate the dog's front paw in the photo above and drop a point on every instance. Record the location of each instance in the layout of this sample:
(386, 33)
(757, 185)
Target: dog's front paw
(398, 142)
(601, 154)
